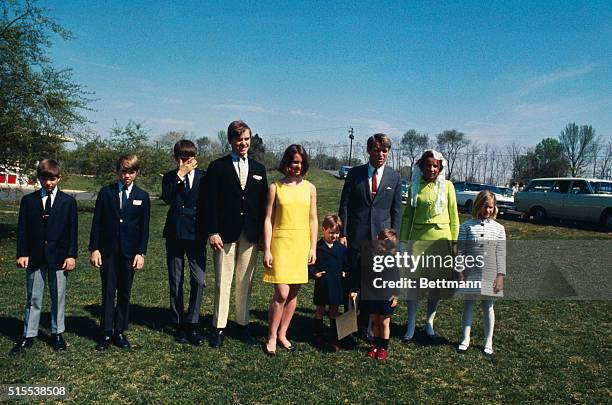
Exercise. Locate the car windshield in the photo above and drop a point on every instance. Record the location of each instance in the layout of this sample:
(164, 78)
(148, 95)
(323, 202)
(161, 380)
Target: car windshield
(602, 187)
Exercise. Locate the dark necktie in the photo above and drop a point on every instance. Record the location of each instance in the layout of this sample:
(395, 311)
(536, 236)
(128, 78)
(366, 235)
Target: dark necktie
(124, 198)
(186, 184)
(374, 184)
(47, 210)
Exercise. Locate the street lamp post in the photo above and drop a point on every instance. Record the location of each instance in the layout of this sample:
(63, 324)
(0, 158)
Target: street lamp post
(351, 137)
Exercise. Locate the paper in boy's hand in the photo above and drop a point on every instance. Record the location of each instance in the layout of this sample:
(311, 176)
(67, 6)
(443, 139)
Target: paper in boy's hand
(347, 322)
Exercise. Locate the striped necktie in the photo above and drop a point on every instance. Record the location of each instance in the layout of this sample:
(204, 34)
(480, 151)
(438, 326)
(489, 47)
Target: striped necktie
(243, 172)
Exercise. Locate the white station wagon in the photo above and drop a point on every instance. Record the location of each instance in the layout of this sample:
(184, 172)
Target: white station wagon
(578, 199)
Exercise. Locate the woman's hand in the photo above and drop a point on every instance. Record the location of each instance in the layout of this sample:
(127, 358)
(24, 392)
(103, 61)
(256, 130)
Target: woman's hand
(267, 260)
(498, 284)
(393, 301)
(312, 256)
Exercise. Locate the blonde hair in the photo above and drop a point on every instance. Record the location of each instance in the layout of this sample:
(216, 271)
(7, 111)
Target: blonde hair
(481, 199)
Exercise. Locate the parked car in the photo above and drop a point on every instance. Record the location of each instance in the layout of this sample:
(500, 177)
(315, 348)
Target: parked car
(404, 190)
(343, 171)
(579, 199)
(466, 193)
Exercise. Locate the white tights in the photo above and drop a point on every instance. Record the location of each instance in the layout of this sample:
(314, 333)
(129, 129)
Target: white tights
(488, 321)
(432, 307)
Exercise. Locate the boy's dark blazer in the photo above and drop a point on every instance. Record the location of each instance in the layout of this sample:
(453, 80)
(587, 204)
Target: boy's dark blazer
(50, 244)
(127, 230)
(229, 210)
(181, 217)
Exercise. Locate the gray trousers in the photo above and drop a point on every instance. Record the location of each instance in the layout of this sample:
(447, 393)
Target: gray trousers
(35, 285)
(176, 250)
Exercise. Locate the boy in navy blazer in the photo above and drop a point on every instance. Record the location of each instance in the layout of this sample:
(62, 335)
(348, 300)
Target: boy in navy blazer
(118, 244)
(47, 249)
(180, 189)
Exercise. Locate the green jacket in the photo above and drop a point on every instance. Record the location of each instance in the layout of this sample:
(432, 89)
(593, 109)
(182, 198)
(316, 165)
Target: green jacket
(425, 213)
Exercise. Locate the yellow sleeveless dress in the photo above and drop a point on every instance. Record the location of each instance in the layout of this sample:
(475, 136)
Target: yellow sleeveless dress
(290, 235)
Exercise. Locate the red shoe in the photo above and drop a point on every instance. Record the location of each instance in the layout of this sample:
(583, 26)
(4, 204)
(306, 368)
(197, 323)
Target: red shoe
(373, 352)
(382, 354)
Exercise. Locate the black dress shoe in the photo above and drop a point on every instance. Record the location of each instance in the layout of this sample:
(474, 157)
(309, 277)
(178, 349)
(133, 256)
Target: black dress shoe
(246, 336)
(216, 340)
(193, 336)
(104, 343)
(21, 346)
(59, 344)
(121, 341)
(179, 334)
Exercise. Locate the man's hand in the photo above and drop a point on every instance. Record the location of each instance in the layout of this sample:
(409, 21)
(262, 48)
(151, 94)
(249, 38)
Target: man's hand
(215, 241)
(186, 166)
(95, 258)
(69, 264)
(498, 284)
(22, 262)
(319, 274)
(138, 262)
(342, 240)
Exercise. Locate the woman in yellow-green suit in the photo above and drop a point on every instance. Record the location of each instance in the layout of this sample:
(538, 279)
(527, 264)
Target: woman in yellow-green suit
(290, 242)
(430, 215)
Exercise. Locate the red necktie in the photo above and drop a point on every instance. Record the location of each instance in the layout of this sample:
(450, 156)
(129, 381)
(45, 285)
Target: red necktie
(374, 184)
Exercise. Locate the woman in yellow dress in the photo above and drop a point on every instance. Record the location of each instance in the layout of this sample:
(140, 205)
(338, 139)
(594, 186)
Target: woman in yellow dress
(290, 240)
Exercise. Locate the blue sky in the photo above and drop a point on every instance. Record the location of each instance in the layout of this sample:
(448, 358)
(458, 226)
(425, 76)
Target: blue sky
(498, 71)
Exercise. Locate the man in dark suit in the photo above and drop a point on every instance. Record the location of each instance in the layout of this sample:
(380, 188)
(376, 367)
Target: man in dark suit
(371, 201)
(118, 244)
(47, 249)
(234, 204)
(180, 189)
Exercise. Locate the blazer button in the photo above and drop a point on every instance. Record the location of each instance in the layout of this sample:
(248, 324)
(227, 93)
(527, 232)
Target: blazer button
(242, 213)
(46, 242)
(121, 220)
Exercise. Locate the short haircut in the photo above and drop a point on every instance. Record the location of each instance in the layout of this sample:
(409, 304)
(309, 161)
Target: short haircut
(48, 168)
(380, 138)
(332, 222)
(387, 234)
(185, 149)
(423, 158)
(235, 129)
(481, 199)
(288, 158)
(128, 163)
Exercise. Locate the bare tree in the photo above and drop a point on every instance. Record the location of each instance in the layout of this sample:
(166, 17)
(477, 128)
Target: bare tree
(450, 143)
(606, 161)
(578, 142)
(414, 144)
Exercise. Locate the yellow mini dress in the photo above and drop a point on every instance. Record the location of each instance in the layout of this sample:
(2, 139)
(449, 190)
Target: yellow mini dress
(290, 235)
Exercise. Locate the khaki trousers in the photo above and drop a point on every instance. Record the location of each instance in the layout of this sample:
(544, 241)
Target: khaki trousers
(240, 258)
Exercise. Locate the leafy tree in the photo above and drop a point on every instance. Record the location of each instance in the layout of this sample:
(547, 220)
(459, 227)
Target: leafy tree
(578, 145)
(222, 138)
(167, 140)
(257, 150)
(40, 106)
(547, 160)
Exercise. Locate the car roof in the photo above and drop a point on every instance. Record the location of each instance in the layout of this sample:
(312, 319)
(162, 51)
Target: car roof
(570, 178)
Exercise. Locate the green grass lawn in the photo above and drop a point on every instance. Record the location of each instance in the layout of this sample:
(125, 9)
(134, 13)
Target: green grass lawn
(549, 351)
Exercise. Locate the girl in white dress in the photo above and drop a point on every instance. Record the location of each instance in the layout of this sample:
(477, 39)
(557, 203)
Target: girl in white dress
(482, 236)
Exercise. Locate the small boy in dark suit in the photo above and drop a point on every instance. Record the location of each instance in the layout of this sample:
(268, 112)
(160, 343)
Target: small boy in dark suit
(329, 272)
(47, 249)
(118, 244)
(180, 189)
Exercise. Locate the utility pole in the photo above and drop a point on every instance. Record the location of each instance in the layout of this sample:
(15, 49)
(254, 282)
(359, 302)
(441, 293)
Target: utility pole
(351, 137)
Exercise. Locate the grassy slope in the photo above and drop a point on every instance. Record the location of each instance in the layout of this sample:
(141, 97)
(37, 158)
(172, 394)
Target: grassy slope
(545, 351)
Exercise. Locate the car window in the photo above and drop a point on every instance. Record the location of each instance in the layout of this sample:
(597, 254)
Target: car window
(580, 187)
(561, 186)
(602, 187)
(473, 187)
(539, 186)
(459, 186)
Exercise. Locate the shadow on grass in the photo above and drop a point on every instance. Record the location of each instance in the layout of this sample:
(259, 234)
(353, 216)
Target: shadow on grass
(82, 326)
(8, 231)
